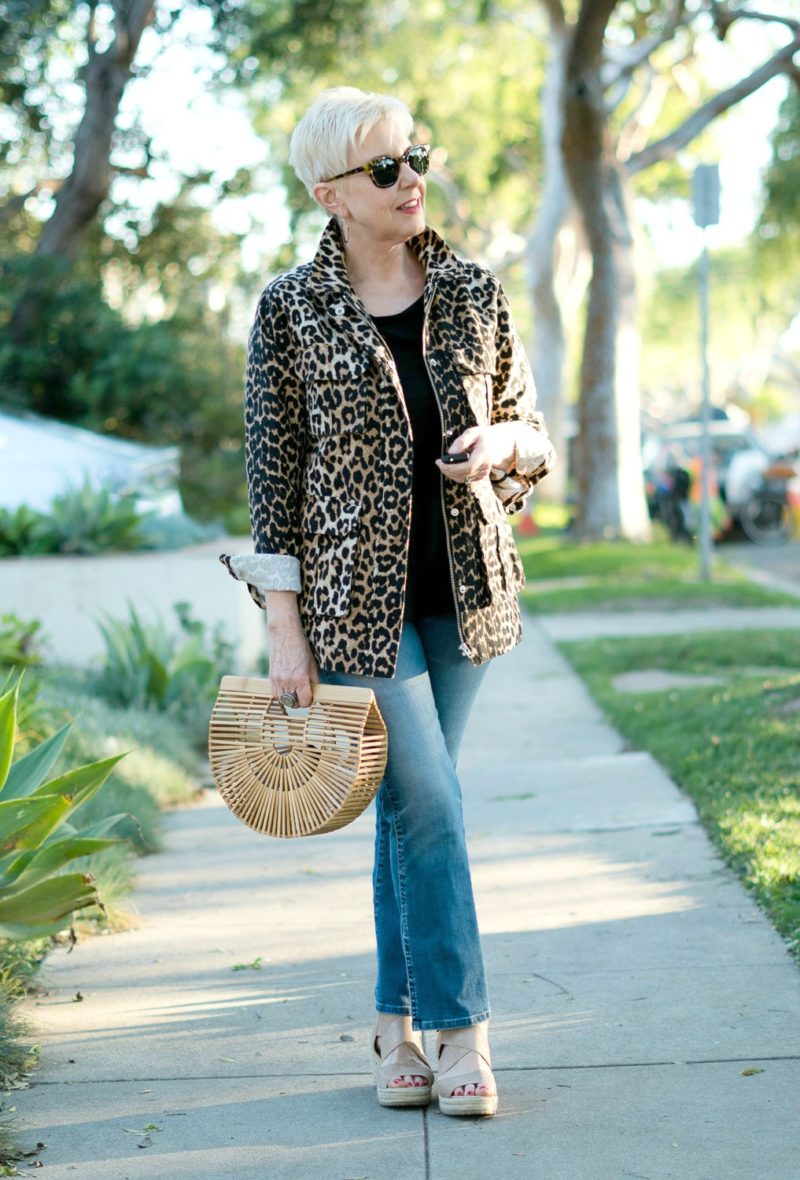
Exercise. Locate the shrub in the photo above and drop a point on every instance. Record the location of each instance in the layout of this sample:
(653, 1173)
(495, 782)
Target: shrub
(90, 520)
(23, 531)
(18, 641)
(148, 666)
(161, 768)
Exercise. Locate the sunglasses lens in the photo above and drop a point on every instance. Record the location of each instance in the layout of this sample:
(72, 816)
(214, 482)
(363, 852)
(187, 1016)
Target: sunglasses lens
(419, 160)
(384, 172)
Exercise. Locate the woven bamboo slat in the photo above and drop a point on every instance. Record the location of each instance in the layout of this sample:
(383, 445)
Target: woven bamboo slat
(296, 772)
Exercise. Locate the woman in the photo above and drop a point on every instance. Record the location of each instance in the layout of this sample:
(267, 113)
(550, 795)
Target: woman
(379, 562)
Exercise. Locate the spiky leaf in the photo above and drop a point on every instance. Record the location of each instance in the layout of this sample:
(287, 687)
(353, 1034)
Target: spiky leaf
(26, 823)
(82, 783)
(30, 771)
(40, 909)
(8, 723)
(33, 866)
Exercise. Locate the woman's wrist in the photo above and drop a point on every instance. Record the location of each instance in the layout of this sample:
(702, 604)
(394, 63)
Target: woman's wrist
(283, 612)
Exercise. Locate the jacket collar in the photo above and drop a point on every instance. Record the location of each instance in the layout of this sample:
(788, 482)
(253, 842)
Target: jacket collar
(330, 270)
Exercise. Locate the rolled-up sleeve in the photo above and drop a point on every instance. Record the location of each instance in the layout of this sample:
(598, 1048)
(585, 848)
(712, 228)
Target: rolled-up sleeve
(275, 451)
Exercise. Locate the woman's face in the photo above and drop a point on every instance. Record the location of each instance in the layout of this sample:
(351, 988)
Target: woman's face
(386, 215)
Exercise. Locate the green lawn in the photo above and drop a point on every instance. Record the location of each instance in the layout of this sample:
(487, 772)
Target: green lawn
(734, 749)
(608, 575)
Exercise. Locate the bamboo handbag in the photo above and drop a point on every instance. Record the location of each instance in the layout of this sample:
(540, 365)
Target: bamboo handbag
(296, 772)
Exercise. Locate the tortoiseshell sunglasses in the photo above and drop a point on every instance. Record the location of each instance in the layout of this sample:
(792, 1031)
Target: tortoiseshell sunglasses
(384, 171)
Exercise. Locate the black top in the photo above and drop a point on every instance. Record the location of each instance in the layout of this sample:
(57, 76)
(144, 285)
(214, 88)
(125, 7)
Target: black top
(428, 584)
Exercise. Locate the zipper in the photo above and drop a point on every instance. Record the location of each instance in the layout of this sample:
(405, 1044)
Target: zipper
(393, 368)
(463, 646)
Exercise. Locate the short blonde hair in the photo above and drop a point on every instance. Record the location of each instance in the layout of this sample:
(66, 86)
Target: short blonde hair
(337, 122)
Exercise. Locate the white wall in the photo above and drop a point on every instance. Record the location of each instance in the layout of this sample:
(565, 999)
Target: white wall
(65, 593)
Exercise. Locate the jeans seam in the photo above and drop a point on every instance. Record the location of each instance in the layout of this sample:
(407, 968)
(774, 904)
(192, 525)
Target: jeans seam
(376, 883)
(401, 881)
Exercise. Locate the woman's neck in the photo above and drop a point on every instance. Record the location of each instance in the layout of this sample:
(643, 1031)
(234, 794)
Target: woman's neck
(385, 280)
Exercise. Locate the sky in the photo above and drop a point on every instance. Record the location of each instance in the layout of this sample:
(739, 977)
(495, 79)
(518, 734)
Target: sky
(207, 130)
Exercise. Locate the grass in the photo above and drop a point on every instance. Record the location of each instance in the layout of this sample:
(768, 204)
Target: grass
(734, 749)
(18, 964)
(608, 575)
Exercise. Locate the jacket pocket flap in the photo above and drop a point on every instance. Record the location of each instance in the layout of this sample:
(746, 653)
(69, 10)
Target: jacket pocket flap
(332, 518)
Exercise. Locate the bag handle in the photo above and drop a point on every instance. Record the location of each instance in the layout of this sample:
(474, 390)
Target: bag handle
(262, 687)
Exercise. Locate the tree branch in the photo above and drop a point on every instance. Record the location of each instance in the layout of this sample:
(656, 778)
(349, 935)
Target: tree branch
(555, 13)
(724, 17)
(665, 149)
(626, 62)
(91, 31)
(590, 31)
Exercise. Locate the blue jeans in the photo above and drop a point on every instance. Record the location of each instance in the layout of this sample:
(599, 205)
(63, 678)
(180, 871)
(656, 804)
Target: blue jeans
(430, 962)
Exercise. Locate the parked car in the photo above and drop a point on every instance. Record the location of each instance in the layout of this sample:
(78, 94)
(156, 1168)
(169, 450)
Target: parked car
(744, 492)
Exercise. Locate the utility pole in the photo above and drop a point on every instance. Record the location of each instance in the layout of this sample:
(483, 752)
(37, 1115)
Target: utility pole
(705, 191)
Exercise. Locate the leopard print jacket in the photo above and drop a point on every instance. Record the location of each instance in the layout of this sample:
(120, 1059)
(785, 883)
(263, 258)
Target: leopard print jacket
(329, 456)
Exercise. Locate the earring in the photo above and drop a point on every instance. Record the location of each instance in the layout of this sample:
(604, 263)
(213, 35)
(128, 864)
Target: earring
(344, 230)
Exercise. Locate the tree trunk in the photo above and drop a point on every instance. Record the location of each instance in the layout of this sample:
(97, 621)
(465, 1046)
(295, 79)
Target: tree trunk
(79, 198)
(611, 499)
(548, 348)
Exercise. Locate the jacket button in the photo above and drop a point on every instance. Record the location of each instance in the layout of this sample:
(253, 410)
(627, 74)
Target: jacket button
(462, 589)
(454, 512)
(434, 362)
(339, 309)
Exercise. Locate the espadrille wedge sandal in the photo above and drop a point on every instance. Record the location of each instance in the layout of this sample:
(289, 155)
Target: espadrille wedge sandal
(455, 1072)
(408, 1059)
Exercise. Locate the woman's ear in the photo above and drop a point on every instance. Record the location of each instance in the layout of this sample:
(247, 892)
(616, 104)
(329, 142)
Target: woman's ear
(328, 196)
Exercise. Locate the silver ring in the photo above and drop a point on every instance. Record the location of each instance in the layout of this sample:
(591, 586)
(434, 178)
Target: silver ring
(289, 700)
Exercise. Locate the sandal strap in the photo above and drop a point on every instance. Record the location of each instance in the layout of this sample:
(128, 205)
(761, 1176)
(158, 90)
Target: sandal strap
(389, 1070)
(453, 1077)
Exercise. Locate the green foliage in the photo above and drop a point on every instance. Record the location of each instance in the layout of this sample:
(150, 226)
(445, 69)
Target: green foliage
(753, 298)
(486, 181)
(147, 665)
(18, 640)
(781, 214)
(23, 530)
(37, 838)
(161, 767)
(173, 381)
(733, 749)
(81, 520)
(89, 520)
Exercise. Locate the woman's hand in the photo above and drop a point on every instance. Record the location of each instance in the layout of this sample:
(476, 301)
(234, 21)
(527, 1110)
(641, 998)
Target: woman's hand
(292, 667)
(488, 446)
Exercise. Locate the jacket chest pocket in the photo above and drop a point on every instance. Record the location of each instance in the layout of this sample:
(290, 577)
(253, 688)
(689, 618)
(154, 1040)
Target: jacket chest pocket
(337, 390)
(330, 533)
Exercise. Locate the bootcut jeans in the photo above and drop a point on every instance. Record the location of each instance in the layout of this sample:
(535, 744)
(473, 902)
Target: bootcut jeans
(430, 963)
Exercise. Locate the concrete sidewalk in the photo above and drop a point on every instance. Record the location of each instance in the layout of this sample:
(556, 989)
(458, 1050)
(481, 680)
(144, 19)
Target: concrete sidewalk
(633, 981)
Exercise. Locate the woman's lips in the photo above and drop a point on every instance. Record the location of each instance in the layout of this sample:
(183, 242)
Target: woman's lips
(410, 206)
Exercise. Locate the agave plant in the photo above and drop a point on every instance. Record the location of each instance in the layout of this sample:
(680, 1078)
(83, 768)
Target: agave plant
(147, 665)
(23, 530)
(37, 838)
(90, 520)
